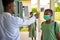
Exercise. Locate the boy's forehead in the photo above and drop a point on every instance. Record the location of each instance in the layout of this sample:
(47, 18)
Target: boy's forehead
(47, 12)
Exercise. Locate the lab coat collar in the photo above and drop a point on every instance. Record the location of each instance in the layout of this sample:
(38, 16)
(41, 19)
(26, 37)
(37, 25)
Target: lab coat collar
(7, 13)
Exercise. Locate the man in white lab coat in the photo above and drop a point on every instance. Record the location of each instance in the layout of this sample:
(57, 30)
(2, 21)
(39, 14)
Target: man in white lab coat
(9, 25)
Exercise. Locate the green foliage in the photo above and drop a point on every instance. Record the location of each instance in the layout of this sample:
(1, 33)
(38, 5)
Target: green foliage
(57, 9)
(25, 29)
(34, 10)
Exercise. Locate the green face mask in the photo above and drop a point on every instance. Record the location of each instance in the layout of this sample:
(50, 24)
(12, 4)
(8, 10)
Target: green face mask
(46, 17)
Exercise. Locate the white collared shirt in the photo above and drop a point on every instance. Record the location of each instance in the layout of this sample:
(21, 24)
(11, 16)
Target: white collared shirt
(9, 26)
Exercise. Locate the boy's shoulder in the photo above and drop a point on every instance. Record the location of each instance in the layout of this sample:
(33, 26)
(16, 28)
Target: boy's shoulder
(42, 22)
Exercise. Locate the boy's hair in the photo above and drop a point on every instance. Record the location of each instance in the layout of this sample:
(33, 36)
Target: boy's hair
(6, 2)
(31, 13)
(51, 11)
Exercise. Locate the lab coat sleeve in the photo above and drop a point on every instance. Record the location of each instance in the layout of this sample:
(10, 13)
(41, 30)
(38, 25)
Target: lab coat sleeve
(29, 21)
(22, 22)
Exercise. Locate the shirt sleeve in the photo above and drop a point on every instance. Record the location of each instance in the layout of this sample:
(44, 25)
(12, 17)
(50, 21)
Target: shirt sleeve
(20, 22)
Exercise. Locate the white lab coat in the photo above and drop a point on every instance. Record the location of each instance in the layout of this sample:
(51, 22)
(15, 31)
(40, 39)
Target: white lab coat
(9, 26)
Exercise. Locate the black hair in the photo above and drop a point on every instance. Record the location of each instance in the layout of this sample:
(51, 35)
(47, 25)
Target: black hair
(31, 13)
(51, 11)
(6, 2)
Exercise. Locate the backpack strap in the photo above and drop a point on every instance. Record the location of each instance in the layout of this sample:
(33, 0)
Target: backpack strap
(55, 27)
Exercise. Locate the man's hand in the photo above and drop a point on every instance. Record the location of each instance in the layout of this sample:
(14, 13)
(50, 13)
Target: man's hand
(37, 15)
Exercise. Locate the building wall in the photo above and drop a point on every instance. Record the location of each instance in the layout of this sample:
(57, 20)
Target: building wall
(1, 7)
(27, 3)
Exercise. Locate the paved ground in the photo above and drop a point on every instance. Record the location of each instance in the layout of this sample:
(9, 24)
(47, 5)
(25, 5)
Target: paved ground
(25, 36)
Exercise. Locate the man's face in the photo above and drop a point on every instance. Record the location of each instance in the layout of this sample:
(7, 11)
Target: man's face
(31, 14)
(11, 8)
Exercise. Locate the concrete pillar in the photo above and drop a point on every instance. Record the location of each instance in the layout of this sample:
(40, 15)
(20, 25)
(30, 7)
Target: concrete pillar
(52, 4)
(38, 5)
(38, 20)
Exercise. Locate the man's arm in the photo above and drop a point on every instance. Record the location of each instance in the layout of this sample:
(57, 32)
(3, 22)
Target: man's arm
(21, 22)
(29, 21)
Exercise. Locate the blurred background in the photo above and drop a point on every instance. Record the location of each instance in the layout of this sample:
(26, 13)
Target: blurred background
(24, 7)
